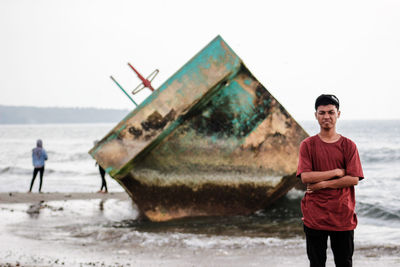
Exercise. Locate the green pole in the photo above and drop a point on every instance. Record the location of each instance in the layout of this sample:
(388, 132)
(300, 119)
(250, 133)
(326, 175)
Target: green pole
(112, 78)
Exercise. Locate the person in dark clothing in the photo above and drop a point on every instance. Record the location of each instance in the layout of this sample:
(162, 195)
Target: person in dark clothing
(102, 174)
(103, 180)
(39, 156)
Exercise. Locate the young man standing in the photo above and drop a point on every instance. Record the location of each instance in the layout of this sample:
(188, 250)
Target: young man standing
(330, 166)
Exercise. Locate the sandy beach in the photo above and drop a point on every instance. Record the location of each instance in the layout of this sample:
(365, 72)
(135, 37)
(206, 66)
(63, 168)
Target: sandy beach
(86, 229)
(17, 197)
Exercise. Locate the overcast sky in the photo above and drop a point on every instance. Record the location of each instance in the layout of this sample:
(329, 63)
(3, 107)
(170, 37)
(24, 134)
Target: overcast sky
(61, 53)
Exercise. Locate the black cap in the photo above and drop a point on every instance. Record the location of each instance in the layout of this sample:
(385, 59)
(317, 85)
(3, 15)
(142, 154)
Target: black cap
(323, 100)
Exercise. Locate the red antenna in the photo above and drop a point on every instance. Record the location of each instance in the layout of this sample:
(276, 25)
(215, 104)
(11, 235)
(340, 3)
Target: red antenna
(146, 82)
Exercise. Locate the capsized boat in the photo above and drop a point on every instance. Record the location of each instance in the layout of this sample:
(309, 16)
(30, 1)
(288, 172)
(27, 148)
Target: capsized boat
(210, 141)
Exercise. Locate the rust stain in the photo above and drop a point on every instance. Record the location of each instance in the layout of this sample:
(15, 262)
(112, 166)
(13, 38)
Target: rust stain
(154, 124)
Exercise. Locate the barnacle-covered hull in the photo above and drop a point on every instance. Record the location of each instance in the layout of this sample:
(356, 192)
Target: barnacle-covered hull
(210, 141)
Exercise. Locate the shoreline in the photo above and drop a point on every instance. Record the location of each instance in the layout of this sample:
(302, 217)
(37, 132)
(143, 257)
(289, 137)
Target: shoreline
(18, 197)
(74, 229)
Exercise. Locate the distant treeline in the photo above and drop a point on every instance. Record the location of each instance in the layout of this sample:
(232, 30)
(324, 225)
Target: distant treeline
(32, 115)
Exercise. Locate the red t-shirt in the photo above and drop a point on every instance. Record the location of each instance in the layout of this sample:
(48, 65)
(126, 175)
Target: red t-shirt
(329, 209)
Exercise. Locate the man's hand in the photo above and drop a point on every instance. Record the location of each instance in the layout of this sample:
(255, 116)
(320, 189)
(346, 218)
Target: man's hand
(340, 173)
(311, 188)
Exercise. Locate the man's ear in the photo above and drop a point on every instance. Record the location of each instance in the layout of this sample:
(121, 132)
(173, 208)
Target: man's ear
(338, 114)
(315, 114)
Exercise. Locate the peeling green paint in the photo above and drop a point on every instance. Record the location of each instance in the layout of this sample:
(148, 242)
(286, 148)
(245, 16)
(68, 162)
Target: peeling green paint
(192, 70)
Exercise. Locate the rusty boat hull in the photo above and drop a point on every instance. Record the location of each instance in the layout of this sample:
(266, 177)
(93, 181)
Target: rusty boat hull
(210, 141)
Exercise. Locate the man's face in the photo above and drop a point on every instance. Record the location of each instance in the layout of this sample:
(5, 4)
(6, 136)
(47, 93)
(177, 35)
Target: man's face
(327, 116)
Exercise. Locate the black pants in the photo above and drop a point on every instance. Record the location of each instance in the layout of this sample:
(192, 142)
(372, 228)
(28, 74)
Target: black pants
(103, 179)
(342, 244)
(35, 171)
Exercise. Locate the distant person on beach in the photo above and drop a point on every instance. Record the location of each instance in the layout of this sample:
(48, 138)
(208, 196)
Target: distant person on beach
(39, 155)
(330, 166)
(103, 179)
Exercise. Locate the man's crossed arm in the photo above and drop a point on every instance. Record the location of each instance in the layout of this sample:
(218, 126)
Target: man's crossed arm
(324, 179)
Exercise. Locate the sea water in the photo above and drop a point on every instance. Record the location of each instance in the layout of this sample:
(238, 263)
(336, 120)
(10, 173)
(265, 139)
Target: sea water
(71, 169)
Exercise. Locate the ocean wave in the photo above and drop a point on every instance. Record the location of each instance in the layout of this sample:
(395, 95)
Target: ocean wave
(69, 156)
(377, 211)
(208, 241)
(16, 170)
(13, 170)
(180, 240)
(382, 154)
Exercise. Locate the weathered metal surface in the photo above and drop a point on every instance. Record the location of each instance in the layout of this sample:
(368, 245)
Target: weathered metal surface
(210, 141)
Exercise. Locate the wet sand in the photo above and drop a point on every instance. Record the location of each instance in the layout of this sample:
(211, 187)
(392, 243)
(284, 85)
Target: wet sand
(46, 230)
(14, 197)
